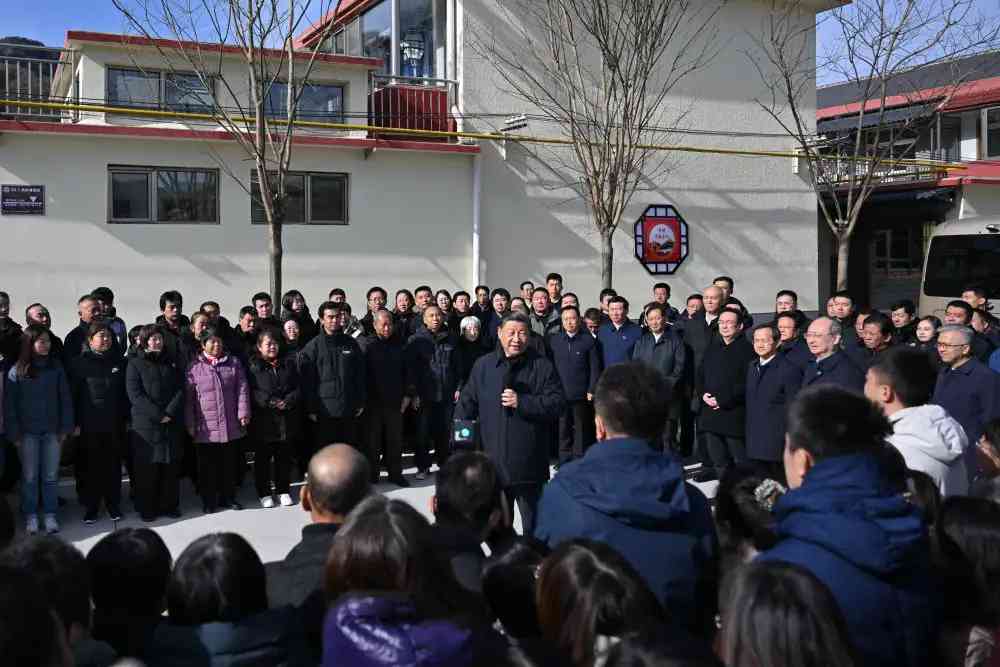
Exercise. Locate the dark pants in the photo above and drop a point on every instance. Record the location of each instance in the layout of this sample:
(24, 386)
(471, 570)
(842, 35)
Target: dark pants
(215, 472)
(384, 436)
(281, 454)
(576, 430)
(686, 444)
(527, 497)
(101, 470)
(669, 437)
(433, 430)
(724, 451)
(332, 430)
(156, 488)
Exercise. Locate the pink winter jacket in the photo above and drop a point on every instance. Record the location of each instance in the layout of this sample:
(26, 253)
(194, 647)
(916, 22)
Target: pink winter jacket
(217, 398)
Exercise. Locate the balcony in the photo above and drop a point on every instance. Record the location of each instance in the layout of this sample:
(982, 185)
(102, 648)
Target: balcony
(29, 73)
(411, 103)
(843, 173)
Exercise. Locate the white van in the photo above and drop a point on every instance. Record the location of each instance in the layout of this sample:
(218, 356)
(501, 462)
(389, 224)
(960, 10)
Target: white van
(961, 253)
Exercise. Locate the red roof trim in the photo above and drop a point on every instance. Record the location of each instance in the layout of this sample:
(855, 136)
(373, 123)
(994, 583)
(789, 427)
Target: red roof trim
(343, 13)
(135, 40)
(969, 94)
(171, 133)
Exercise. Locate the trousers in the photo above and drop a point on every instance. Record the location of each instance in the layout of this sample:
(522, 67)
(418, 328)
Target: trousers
(384, 438)
(216, 477)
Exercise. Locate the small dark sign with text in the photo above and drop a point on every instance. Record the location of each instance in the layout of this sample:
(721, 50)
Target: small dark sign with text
(22, 199)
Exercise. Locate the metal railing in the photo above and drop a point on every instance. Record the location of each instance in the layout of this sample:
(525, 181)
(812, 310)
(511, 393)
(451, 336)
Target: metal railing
(412, 103)
(845, 172)
(28, 73)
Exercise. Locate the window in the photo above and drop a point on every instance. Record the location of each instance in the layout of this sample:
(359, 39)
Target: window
(953, 262)
(376, 34)
(163, 195)
(318, 102)
(991, 123)
(416, 25)
(175, 91)
(312, 198)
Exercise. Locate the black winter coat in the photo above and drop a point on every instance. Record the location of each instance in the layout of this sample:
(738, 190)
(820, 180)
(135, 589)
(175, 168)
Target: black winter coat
(668, 356)
(516, 439)
(155, 388)
(292, 580)
(10, 340)
(172, 338)
(269, 384)
(838, 369)
(796, 352)
(432, 370)
(577, 361)
(97, 382)
(76, 343)
(333, 376)
(698, 334)
(385, 361)
(723, 374)
(770, 390)
(468, 354)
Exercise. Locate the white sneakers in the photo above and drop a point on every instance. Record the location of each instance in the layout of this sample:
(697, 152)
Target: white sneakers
(267, 502)
(285, 500)
(31, 527)
(51, 525)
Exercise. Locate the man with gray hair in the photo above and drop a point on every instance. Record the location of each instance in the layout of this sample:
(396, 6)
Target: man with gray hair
(830, 365)
(966, 389)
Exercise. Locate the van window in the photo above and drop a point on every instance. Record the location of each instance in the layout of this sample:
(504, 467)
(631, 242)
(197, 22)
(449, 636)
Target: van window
(955, 262)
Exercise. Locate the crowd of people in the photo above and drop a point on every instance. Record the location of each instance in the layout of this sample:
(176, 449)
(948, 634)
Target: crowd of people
(855, 520)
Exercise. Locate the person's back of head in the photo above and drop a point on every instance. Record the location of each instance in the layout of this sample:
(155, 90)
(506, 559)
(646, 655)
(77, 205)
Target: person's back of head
(826, 421)
(967, 538)
(660, 646)
(587, 590)
(338, 478)
(743, 502)
(385, 546)
(129, 570)
(467, 491)
(908, 372)
(61, 571)
(218, 578)
(780, 614)
(631, 399)
(30, 631)
(509, 586)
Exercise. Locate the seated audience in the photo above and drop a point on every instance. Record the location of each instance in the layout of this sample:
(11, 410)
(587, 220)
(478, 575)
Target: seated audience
(31, 633)
(509, 586)
(842, 521)
(743, 503)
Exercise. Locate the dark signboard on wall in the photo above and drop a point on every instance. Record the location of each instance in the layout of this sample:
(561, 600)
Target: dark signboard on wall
(22, 199)
(661, 239)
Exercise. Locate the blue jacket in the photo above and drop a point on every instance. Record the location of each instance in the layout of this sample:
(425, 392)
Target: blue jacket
(870, 547)
(577, 361)
(42, 404)
(770, 390)
(971, 395)
(634, 498)
(617, 344)
(995, 361)
(837, 369)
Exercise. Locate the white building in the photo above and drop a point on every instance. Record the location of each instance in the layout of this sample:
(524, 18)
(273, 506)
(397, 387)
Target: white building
(146, 204)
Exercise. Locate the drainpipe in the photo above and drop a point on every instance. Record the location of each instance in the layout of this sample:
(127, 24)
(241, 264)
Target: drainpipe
(476, 186)
(394, 37)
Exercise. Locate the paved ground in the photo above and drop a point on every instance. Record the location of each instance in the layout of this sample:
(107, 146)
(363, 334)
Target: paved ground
(272, 532)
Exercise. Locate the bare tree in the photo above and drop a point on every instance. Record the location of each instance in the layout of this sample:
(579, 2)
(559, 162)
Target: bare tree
(602, 71)
(882, 51)
(196, 37)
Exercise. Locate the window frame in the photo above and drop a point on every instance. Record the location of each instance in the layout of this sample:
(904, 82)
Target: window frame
(152, 195)
(161, 89)
(307, 195)
(984, 128)
(342, 118)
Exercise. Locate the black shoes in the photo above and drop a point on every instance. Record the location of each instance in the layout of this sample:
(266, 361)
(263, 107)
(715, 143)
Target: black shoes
(115, 514)
(90, 517)
(148, 518)
(173, 513)
(231, 505)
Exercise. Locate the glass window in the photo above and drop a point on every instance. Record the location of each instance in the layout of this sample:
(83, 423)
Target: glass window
(328, 198)
(295, 199)
(276, 103)
(186, 92)
(186, 196)
(321, 102)
(992, 132)
(953, 262)
(133, 88)
(376, 33)
(130, 195)
(416, 34)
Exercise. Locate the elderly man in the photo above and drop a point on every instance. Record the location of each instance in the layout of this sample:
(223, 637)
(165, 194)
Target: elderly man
(966, 389)
(516, 395)
(830, 365)
(959, 313)
(89, 312)
(387, 400)
(773, 381)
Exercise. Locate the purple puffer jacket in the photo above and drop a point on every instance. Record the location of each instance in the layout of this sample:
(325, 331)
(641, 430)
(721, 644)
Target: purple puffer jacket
(217, 398)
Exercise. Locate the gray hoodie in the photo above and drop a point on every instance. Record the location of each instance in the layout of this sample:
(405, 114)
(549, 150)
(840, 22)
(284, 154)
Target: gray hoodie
(932, 442)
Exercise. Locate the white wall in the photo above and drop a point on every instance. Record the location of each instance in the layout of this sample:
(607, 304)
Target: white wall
(751, 218)
(409, 224)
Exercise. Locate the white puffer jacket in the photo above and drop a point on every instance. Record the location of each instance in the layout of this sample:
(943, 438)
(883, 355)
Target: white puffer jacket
(932, 442)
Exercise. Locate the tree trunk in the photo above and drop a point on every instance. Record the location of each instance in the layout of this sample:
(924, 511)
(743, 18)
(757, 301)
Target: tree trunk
(276, 253)
(607, 258)
(843, 255)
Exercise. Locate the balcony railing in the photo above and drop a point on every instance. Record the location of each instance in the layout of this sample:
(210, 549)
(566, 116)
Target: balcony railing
(410, 103)
(28, 73)
(844, 172)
